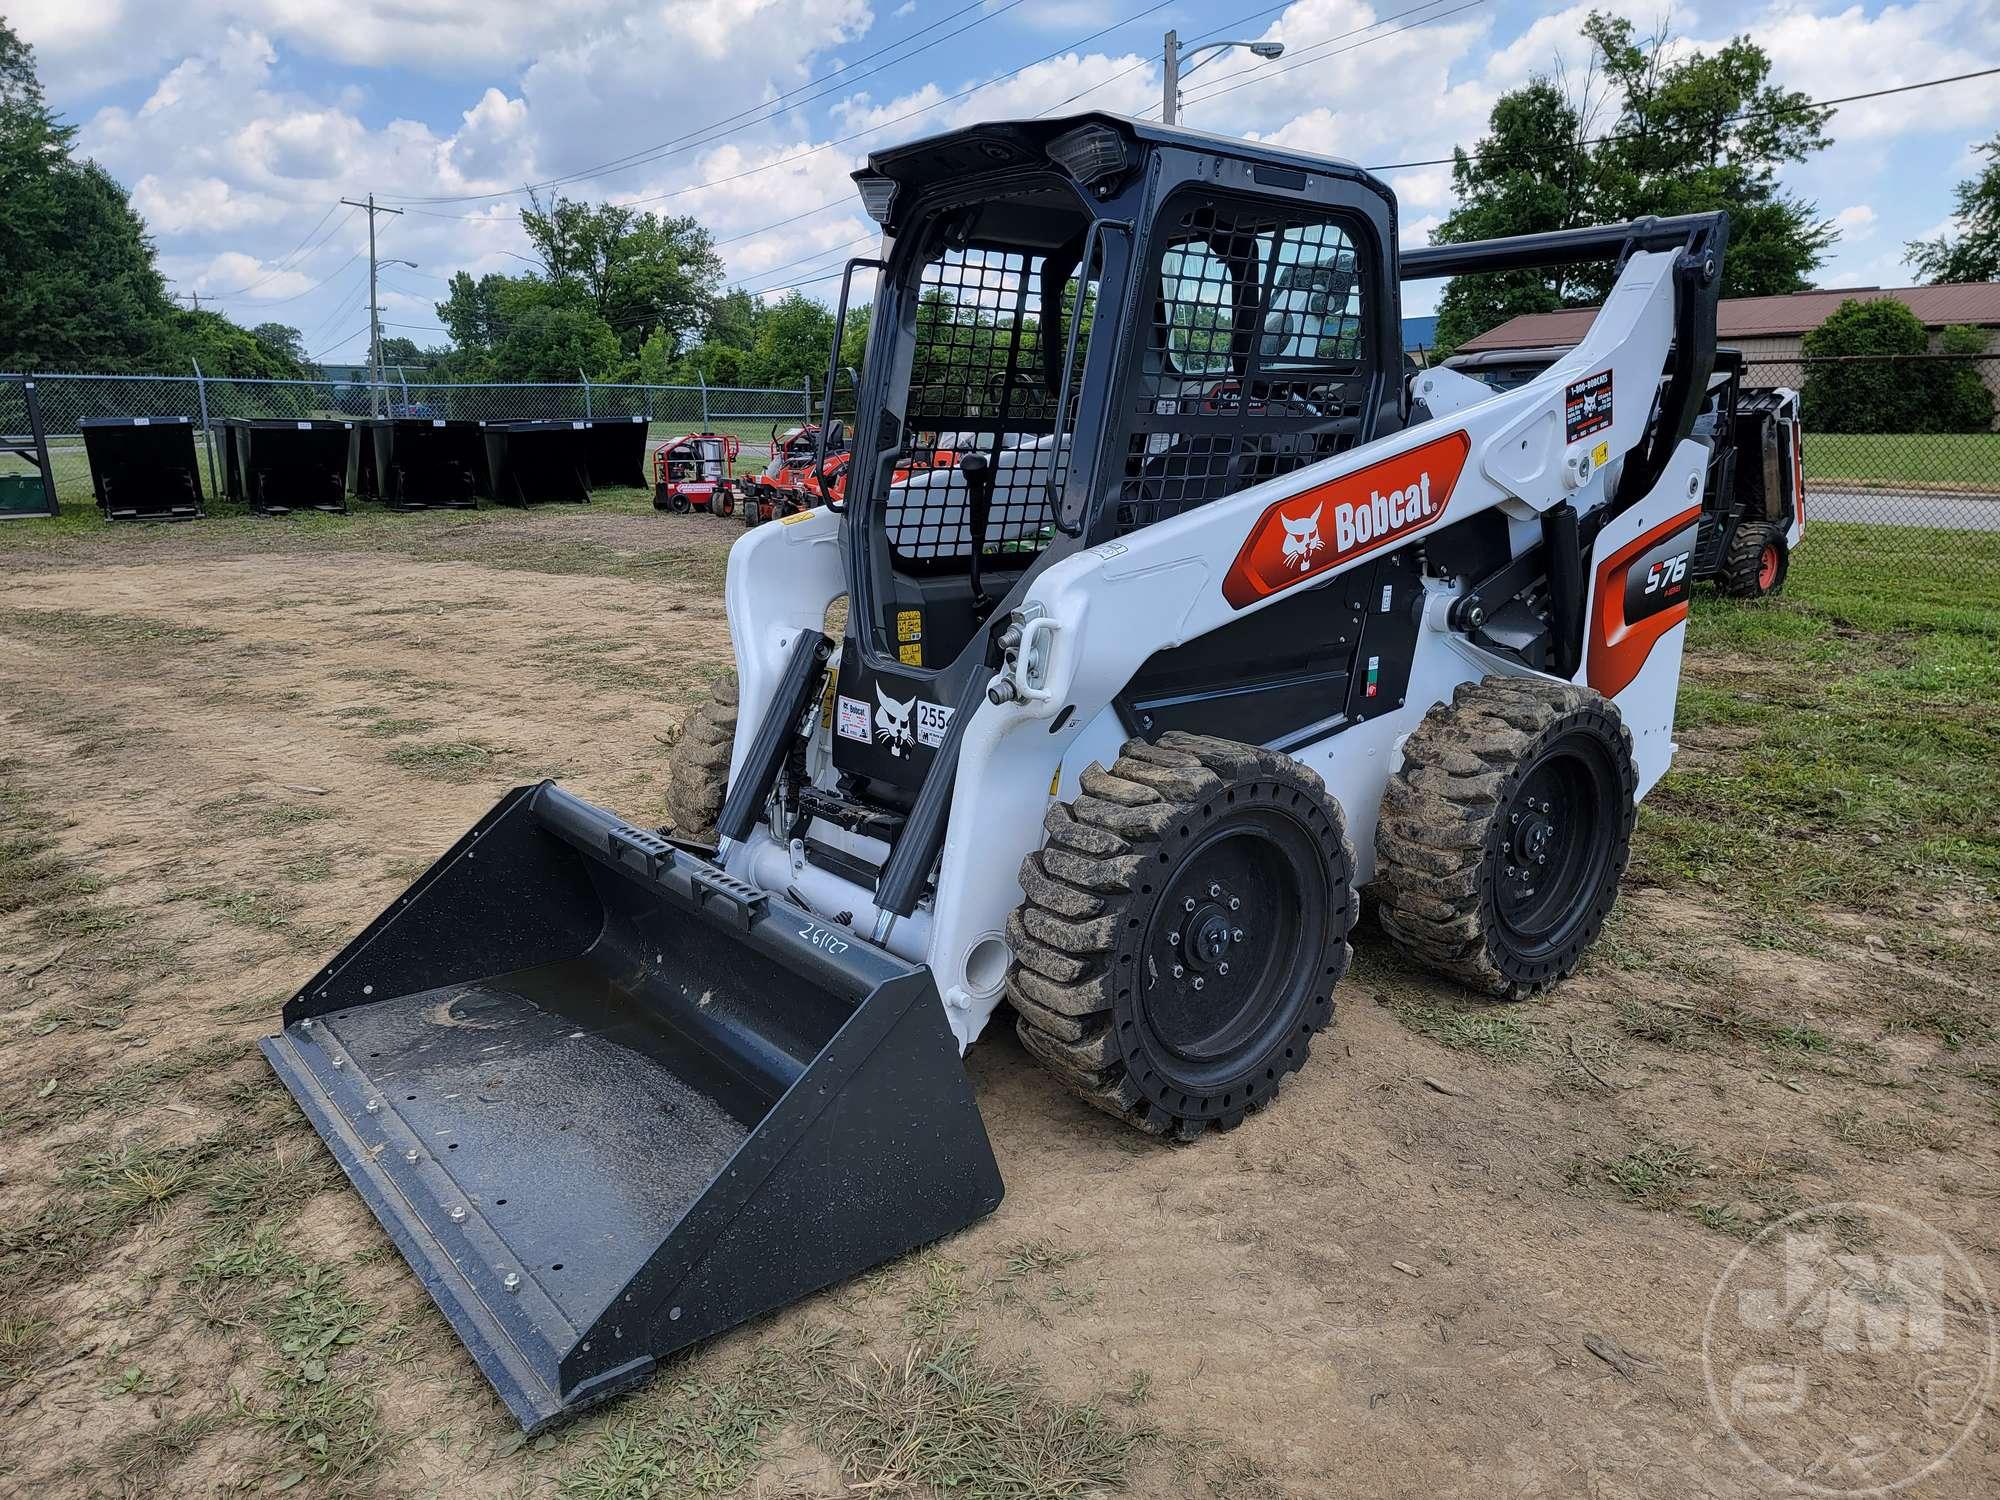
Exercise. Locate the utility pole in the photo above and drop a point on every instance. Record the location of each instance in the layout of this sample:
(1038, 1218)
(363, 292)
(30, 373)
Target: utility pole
(1170, 98)
(374, 308)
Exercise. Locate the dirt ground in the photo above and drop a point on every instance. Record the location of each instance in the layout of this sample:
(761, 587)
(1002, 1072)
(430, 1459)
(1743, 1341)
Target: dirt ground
(1469, 1249)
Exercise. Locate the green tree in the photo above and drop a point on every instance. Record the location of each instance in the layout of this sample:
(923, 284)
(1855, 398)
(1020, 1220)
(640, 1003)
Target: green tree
(1972, 253)
(227, 350)
(552, 342)
(793, 339)
(640, 273)
(78, 286)
(287, 346)
(1652, 128)
(1877, 394)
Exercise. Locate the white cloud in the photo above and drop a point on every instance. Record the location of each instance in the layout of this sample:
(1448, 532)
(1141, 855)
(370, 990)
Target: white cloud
(1855, 223)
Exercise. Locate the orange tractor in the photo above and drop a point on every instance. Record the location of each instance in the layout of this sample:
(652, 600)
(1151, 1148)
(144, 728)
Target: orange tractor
(696, 471)
(781, 489)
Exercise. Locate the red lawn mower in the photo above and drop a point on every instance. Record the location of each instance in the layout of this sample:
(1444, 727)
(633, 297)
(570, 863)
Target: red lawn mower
(782, 489)
(696, 471)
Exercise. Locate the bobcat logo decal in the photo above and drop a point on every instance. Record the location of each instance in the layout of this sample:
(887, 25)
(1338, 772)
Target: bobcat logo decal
(1302, 539)
(892, 721)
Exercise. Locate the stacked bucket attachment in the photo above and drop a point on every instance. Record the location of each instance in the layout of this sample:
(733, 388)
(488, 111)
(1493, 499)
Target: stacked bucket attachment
(618, 453)
(533, 463)
(609, 1101)
(143, 468)
(421, 463)
(276, 466)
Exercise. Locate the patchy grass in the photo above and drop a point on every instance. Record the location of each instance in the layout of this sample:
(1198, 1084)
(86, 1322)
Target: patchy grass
(1493, 1031)
(1653, 1174)
(393, 729)
(1892, 1138)
(940, 1420)
(100, 1198)
(457, 761)
(702, 1435)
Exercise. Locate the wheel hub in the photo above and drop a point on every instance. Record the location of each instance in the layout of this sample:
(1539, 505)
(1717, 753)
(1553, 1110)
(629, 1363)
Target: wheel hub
(1208, 935)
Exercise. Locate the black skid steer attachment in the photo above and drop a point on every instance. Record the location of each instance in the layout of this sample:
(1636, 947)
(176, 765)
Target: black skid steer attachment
(609, 1101)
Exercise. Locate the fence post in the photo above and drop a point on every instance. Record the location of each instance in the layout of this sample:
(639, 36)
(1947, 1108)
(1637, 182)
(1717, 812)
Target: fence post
(586, 392)
(806, 398)
(207, 437)
(403, 379)
(702, 381)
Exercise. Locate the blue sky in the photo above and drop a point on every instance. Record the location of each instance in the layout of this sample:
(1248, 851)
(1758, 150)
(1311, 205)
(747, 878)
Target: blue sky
(238, 124)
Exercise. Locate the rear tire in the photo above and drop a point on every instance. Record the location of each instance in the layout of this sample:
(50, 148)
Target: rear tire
(1503, 837)
(1756, 563)
(1185, 922)
(724, 502)
(698, 775)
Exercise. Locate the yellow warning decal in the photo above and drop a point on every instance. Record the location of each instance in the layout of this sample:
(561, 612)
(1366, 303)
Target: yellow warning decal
(826, 699)
(1055, 781)
(910, 654)
(909, 624)
(1600, 455)
(796, 516)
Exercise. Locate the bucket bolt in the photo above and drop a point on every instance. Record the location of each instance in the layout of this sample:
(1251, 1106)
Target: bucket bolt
(511, 1281)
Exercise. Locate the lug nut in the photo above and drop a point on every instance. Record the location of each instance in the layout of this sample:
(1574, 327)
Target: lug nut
(1178, 971)
(1222, 968)
(1215, 890)
(1173, 937)
(1188, 905)
(1234, 903)
(1197, 981)
(1236, 936)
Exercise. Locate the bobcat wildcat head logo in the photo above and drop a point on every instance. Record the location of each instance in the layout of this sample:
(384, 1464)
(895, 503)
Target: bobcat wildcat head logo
(1302, 539)
(892, 721)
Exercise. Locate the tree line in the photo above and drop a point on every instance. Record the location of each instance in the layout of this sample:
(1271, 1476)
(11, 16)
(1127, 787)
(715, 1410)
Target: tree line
(616, 294)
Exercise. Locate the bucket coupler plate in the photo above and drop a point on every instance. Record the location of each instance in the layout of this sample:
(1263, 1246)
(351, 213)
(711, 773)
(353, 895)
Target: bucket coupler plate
(609, 1101)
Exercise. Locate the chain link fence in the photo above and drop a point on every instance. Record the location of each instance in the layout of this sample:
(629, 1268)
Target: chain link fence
(1901, 453)
(749, 412)
(1901, 456)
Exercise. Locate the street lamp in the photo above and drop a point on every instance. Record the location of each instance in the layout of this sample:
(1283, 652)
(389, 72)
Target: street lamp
(1170, 102)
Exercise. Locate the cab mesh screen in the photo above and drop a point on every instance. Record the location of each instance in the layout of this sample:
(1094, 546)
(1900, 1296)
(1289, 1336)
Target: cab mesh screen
(978, 384)
(1257, 360)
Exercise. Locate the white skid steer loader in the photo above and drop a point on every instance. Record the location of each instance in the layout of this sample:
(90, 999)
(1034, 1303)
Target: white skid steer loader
(1198, 617)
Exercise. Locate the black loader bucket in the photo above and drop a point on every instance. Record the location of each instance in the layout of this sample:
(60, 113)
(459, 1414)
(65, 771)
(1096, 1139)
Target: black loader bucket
(609, 1101)
(279, 465)
(618, 453)
(420, 463)
(534, 463)
(143, 468)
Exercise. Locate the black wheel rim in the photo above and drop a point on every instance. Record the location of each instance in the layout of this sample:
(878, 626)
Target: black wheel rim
(1232, 945)
(1555, 843)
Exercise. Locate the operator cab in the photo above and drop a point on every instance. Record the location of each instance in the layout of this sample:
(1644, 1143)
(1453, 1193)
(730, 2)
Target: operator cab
(1106, 323)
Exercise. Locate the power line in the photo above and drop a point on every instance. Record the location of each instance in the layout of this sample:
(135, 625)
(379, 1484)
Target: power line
(846, 77)
(1720, 120)
(1264, 75)
(285, 262)
(880, 125)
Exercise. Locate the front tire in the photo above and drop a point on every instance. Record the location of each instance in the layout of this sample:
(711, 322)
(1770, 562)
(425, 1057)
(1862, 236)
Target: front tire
(1185, 922)
(1756, 563)
(1504, 835)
